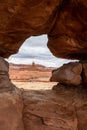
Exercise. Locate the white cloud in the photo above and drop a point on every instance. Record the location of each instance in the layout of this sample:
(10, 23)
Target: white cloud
(35, 49)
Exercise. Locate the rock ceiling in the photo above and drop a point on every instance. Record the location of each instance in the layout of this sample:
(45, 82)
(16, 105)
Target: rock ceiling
(65, 22)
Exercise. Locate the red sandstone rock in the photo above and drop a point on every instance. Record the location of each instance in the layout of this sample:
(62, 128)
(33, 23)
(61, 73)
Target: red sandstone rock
(11, 107)
(64, 109)
(67, 38)
(5, 83)
(68, 74)
(11, 103)
(84, 73)
(21, 19)
(65, 22)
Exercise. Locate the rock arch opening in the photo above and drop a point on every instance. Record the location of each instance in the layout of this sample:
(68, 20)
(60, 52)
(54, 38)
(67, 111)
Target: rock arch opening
(66, 26)
(35, 49)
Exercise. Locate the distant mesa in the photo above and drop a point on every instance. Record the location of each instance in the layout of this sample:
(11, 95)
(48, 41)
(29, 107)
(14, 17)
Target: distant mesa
(34, 72)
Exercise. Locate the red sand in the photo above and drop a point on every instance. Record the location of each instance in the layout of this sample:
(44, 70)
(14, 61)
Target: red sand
(25, 73)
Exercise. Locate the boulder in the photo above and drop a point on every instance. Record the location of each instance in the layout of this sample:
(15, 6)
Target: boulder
(68, 74)
(5, 83)
(11, 103)
(11, 107)
(63, 109)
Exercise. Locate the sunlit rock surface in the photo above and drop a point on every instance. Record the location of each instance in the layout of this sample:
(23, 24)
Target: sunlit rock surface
(65, 22)
(5, 83)
(68, 74)
(63, 108)
(11, 103)
(74, 73)
(11, 107)
(60, 109)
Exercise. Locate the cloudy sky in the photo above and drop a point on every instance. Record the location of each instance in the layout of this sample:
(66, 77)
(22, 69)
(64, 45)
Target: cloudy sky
(35, 50)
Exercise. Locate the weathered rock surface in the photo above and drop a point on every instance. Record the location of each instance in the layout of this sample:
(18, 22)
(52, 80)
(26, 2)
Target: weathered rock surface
(11, 107)
(5, 83)
(74, 73)
(68, 37)
(21, 19)
(68, 74)
(65, 22)
(63, 109)
(11, 103)
(85, 73)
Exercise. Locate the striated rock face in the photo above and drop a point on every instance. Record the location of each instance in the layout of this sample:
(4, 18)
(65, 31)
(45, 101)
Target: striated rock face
(65, 22)
(63, 109)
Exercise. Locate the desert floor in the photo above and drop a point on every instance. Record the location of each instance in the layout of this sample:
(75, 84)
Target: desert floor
(31, 77)
(35, 85)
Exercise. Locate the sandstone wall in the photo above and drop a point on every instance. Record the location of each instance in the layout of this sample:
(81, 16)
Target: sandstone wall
(11, 108)
(63, 108)
(65, 22)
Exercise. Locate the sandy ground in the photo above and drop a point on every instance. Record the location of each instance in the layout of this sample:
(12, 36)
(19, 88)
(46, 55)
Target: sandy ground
(31, 77)
(35, 85)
